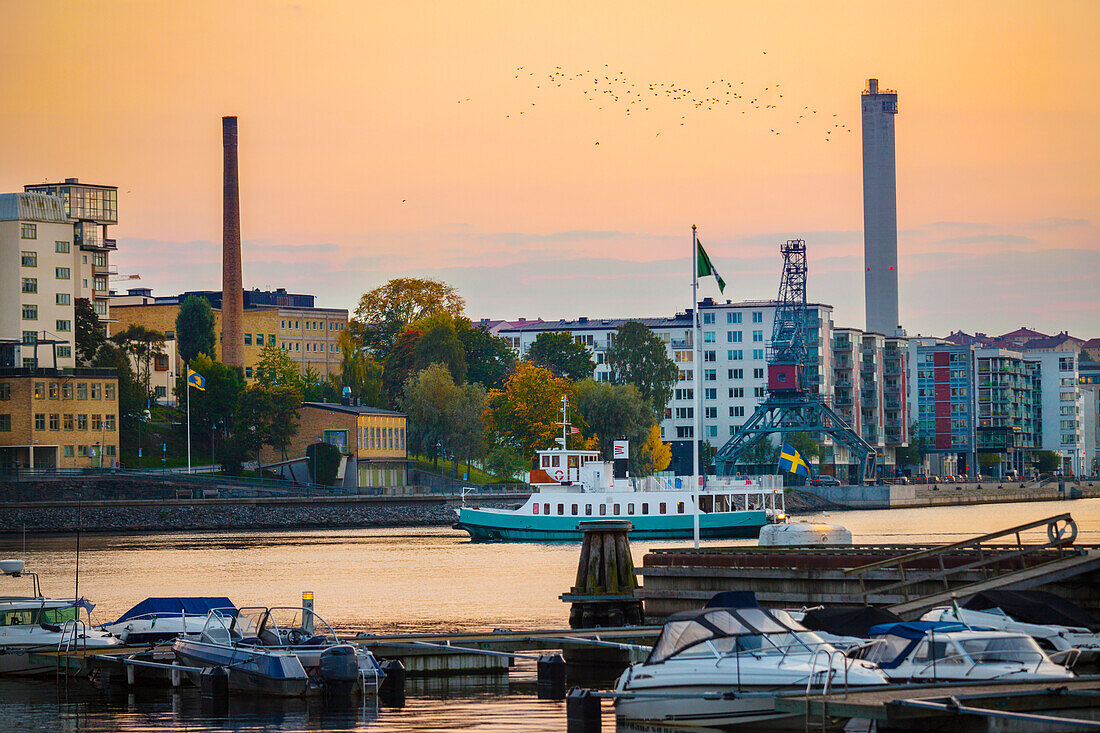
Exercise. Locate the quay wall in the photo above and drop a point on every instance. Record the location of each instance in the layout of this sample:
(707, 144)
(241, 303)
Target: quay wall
(896, 497)
(354, 512)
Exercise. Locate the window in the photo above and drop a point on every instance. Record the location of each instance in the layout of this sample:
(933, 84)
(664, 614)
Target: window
(30, 312)
(710, 413)
(40, 421)
(685, 431)
(685, 413)
(710, 393)
(629, 508)
(758, 373)
(573, 509)
(1066, 364)
(684, 394)
(710, 375)
(248, 372)
(62, 299)
(546, 509)
(63, 325)
(5, 391)
(737, 373)
(40, 390)
(97, 422)
(61, 247)
(109, 422)
(55, 421)
(61, 273)
(737, 411)
(248, 339)
(82, 451)
(645, 507)
(69, 452)
(735, 355)
(708, 337)
(686, 375)
(708, 318)
(737, 392)
(733, 337)
(561, 509)
(67, 391)
(709, 356)
(53, 390)
(733, 318)
(757, 391)
(712, 431)
(68, 421)
(681, 356)
(5, 423)
(109, 450)
(28, 231)
(82, 390)
(271, 338)
(588, 510)
(757, 316)
(30, 285)
(96, 387)
(757, 336)
(757, 353)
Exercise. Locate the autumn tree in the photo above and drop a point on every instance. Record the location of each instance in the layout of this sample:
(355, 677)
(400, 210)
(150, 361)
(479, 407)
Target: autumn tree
(637, 356)
(489, 359)
(399, 364)
(559, 352)
(652, 456)
(526, 413)
(90, 333)
(195, 329)
(443, 415)
(383, 313)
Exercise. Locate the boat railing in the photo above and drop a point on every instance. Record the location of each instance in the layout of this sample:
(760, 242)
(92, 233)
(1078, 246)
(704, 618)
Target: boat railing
(976, 658)
(72, 640)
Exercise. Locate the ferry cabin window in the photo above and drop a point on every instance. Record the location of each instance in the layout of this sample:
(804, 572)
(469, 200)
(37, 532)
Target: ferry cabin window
(588, 510)
(629, 508)
(661, 508)
(546, 509)
(546, 461)
(679, 507)
(574, 510)
(572, 461)
(534, 508)
(616, 510)
(555, 461)
(561, 509)
(603, 510)
(645, 507)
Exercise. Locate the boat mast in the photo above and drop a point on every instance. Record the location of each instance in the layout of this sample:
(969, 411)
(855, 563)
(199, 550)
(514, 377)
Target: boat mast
(696, 366)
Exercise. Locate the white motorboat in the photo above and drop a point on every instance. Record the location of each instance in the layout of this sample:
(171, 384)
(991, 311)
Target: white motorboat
(1051, 636)
(720, 668)
(285, 651)
(163, 619)
(932, 651)
(38, 624)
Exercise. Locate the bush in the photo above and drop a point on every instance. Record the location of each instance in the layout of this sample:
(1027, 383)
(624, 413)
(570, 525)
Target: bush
(324, 462)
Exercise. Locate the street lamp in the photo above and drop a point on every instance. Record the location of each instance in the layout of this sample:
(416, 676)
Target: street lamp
(439, 452)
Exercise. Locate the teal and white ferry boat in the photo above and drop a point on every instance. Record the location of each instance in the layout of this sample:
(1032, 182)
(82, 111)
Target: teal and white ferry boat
(574, 486)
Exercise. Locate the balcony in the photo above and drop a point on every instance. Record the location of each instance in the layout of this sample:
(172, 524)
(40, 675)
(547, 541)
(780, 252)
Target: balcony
(104, 269)
(681, 343)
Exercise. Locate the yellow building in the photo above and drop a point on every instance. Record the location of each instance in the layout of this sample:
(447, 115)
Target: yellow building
(373, 439)
(58, 418)
(307, 334)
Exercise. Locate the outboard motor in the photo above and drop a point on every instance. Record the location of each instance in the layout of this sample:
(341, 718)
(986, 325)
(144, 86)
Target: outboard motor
(339, 669)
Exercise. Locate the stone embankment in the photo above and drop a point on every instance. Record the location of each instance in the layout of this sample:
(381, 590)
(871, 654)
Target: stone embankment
(816, 498)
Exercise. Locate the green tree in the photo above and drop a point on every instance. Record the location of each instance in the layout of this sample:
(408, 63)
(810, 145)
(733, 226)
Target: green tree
(806, 445)
(637, 356)
(614, 412)
(276, 367)
(439, 344)
(386, 311)
(443, 415)
(214, 407)
(763, 455)
(525, 414)
(489, 359)
(144, 346)
(313, 386)
(266, 416)
(1047, 461)
(132, 396)
(559, 352)
(358, 372)
(195, 329)
(399, 365)
(90, 332)
(914, 453)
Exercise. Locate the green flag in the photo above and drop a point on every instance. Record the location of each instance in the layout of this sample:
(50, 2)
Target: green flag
(706, 268)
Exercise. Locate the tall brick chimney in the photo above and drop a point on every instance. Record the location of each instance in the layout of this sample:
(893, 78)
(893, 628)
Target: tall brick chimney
(232, 336)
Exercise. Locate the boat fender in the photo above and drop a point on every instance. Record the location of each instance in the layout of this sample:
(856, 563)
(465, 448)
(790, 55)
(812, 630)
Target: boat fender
(338, 664)
(50, 627)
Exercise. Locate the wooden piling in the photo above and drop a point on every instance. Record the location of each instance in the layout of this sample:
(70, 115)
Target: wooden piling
(603, 595)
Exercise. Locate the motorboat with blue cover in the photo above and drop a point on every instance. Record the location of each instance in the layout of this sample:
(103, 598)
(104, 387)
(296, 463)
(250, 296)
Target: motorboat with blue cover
(720, 668)
(162, 619)
(938, 651)
(286, 651)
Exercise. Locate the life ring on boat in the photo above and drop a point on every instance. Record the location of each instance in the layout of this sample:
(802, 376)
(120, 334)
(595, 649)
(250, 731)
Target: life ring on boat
(557, 474)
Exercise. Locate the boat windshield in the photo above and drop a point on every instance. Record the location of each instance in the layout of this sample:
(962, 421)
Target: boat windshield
(723, 628)
(1001, 649)
(220, 627)
(37, 615)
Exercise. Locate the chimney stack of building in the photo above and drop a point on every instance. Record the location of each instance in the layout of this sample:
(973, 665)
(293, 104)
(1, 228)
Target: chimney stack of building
(232, 336)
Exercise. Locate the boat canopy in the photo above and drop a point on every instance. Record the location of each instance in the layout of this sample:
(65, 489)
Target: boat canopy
(899, 639)
(688, 628)
(1033, 607)
(848, 620)
(192, 606)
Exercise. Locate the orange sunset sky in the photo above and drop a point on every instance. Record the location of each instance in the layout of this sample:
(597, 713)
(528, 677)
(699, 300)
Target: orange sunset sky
(382, 139)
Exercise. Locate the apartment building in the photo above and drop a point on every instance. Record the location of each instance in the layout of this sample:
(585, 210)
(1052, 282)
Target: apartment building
(92, 208)
(1008, 389)
(309, 335)
(1064, 409)
(58, 418)
(38, 269)
(733, 373)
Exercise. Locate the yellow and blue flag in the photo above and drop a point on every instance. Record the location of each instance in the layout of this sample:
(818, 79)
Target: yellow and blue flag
(790, 460)
(196, 380)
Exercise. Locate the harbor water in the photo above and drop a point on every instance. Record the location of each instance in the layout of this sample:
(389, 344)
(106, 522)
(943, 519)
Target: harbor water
(381, 580)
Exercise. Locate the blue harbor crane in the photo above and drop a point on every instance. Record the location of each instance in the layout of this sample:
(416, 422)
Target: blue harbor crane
(794, 403)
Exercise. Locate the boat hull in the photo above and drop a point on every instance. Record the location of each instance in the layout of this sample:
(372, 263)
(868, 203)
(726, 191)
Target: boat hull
(250, 670)
(503, 526)
(706, 708)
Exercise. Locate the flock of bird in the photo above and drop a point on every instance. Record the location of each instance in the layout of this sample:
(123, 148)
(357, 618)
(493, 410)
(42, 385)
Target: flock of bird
(615, 91)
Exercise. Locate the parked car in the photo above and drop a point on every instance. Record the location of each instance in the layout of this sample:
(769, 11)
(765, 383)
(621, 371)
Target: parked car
(823, 480)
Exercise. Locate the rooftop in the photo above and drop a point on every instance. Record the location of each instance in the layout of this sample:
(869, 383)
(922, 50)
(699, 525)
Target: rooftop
(32, 207)
(352, 409)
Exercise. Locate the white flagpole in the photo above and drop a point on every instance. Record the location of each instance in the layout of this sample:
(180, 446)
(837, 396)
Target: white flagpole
(698, 364)
(188, 420)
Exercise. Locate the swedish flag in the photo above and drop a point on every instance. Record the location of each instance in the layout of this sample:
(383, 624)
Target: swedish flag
(196, 380)
(790, 460)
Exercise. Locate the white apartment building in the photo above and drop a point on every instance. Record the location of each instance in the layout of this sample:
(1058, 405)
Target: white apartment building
(40, 275)
(1064, 409)
(733, 374)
